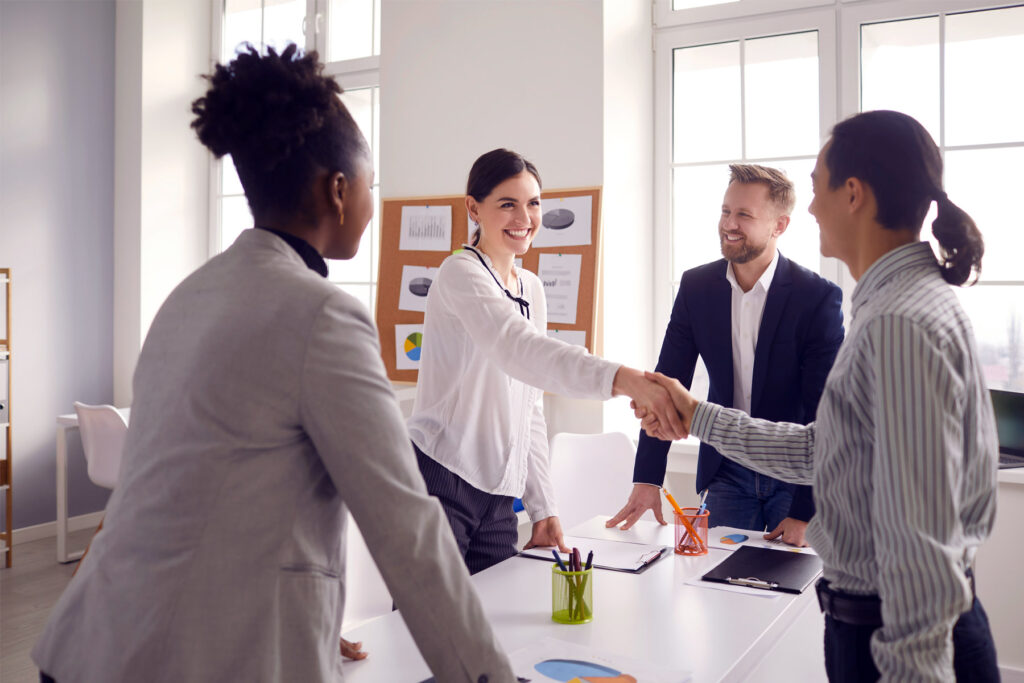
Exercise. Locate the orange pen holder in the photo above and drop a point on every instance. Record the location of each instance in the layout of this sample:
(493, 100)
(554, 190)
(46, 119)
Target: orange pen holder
(691, 532)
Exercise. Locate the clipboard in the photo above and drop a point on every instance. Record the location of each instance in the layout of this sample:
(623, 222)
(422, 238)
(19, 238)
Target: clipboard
(767, 569)
(617, 556)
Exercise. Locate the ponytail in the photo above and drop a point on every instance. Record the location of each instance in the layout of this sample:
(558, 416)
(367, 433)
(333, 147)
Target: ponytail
(960, 240)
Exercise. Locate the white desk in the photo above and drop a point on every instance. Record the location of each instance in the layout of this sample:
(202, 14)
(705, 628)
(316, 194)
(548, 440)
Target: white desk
(65, 423)
(652, 616)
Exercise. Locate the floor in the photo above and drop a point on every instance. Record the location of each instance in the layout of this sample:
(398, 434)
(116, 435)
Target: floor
(28, 591)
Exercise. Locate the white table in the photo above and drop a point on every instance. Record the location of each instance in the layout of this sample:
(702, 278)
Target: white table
(66, 423)
(653, 616)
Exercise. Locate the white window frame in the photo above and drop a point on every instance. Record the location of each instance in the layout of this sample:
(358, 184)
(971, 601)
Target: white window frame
(665, 16)
(666, 41)
(363, 72)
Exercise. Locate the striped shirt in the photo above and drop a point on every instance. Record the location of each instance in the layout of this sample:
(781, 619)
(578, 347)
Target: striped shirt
(903, 459)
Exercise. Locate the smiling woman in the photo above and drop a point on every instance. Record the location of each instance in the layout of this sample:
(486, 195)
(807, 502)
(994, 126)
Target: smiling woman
(477, 425)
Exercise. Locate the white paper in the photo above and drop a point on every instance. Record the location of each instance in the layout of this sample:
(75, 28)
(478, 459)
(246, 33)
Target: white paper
(416, 281)
(644, 531)
(549, 659)
(577, 337)
(426, 228)
(731, 538)
(565, 222)
(408, 345)
(560, 274)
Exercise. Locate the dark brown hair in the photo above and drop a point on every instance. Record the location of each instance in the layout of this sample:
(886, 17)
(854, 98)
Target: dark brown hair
(492, 169)
(896, 156)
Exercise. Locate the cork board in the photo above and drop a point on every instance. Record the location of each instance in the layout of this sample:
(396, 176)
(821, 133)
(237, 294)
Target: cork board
(398, 327)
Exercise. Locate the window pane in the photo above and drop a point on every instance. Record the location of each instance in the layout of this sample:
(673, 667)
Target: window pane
(800, 242)
(781, 95)
(706, 103)
(982, 182)
(243, 22)
(282, 23)
(229, 182)
(374, 230)
(900, 69)
(984, 59)
(234, 218)
(997, 315)
(696, 206)
(361, 104)
(352, 30)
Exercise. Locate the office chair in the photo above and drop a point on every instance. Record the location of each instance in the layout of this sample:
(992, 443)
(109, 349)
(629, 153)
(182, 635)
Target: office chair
(103, 430)
(592, 474)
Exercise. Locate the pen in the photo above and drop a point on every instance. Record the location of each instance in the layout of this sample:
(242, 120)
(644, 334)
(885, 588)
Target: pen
(703, 502)
(559, 561)
(577, 565)
(590, 559)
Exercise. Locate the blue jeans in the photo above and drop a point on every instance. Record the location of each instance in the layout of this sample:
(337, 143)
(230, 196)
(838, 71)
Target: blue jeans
(848, 650)
(742, 498)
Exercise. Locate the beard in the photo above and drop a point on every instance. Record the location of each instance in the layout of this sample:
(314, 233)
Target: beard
(743, 252)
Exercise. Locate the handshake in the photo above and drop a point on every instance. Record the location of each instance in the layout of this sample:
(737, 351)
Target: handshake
(663, 405)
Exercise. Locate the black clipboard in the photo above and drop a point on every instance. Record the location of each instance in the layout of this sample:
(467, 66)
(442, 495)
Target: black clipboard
(767, 569)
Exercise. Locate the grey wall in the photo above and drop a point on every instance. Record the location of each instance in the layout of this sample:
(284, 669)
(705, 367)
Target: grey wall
(56, 232)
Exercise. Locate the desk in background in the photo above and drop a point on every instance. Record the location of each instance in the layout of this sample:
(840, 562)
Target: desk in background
(66, 423)
(652, 616)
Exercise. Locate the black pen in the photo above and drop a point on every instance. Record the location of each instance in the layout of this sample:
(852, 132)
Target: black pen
(559, 561)
(590, 559)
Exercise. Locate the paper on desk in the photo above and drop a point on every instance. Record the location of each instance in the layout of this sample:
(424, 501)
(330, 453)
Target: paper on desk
(731, 538)
(615, 555)
(644, 531)
(550, 659)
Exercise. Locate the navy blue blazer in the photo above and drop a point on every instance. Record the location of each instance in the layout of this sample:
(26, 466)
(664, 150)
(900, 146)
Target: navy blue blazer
(800, 334)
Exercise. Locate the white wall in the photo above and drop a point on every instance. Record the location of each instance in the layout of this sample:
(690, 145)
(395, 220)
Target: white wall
(162, 171)
(459, 78)
(56, 218)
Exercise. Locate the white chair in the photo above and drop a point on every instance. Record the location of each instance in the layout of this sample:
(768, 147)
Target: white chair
(103, 429)
(592, 474)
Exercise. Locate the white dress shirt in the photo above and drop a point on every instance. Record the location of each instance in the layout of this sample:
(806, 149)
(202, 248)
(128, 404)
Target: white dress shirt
(483, 369)
(747, 309)
(903, 458)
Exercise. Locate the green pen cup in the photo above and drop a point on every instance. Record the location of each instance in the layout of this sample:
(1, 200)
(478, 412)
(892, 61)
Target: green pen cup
(572, 596)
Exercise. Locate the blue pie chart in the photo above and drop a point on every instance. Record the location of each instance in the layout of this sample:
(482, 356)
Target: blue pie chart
(568, 669)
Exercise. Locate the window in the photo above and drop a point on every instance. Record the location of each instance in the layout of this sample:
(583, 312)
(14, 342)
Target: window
(346, 33)
(764, 82)
(940, 69)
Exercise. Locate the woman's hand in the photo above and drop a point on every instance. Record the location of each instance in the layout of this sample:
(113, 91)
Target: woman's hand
(651, 399)
(682, 400)
(547, 532)
(352, 650)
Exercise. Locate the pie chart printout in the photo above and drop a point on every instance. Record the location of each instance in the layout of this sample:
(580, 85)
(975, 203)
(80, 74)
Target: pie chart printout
(578, 671)
(414, 345)
(558, 219)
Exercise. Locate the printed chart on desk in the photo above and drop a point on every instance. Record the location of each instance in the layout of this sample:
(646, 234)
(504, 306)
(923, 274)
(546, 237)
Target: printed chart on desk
(555, 660)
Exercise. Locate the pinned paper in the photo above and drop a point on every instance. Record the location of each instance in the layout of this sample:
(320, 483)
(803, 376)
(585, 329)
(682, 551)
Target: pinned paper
(560, 275)
(426, 228)
(416, 282)
(577, 337)
(408, 346)
(565, 222)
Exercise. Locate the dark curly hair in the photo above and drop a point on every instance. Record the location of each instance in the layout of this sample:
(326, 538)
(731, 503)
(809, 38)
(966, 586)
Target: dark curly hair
(896, 156)
(280, 119)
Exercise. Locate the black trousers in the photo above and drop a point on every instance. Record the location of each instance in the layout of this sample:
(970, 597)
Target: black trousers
(485, 527)
(848, 650)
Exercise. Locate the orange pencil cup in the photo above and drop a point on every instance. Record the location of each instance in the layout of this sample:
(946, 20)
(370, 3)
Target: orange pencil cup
(572, 596)
(691, 532)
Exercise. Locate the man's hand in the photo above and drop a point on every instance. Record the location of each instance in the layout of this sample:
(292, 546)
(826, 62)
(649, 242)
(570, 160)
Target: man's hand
(789, 531)
(682, 400)
(547, 532)
(352, 650)
(643, 498)
(650, 398)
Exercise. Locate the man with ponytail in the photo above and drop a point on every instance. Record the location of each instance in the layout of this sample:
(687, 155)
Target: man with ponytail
(903, 453)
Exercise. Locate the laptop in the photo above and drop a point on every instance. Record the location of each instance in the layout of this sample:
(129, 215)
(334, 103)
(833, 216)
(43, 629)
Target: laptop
(1008, 407)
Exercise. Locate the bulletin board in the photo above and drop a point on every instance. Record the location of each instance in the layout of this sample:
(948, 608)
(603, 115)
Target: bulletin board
(413, 232)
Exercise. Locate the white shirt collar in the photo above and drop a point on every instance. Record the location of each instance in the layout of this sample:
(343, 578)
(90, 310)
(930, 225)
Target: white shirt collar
(765, 281)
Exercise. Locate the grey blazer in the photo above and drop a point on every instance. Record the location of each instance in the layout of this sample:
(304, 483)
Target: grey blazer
(261, 411)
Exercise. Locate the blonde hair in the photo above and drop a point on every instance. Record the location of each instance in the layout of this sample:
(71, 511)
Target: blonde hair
(780, 187)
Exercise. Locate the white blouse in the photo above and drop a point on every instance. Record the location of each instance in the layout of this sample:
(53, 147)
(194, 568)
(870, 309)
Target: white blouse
(483, 369)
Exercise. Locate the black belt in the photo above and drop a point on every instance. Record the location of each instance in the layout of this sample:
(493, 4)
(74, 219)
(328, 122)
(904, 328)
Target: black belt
(857, 610)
